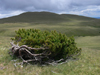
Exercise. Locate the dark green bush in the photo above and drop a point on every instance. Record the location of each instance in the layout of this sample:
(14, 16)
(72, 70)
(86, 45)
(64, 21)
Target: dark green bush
(60, 46)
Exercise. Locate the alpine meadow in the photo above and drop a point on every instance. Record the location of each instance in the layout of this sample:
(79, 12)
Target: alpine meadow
(86, 32)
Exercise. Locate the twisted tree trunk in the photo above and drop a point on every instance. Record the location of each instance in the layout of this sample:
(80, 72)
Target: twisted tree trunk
(27, 53)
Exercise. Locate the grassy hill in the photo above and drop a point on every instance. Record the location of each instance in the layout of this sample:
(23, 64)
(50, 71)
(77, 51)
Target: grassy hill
(43, 17)
(87, 36)
(34, 17)
(64, 23)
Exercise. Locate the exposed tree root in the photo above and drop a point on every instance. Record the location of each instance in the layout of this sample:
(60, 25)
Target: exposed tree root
(27, 54)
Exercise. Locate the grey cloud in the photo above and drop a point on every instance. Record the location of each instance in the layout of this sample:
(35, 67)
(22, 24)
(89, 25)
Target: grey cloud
(6, 6)
(51, 5)
(45, 4)
(86, 2)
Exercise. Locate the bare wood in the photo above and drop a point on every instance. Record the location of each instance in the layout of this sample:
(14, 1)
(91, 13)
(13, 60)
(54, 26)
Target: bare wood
(19, 50)
(29, 48)
(25, 54)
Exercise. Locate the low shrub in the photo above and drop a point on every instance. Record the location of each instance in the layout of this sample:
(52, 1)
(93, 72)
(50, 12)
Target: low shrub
(56, 45)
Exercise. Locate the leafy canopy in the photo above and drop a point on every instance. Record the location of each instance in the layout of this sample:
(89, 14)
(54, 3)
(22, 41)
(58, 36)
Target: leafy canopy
(60, 46)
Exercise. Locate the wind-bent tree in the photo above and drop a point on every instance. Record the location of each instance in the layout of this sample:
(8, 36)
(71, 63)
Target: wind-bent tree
(42, 46)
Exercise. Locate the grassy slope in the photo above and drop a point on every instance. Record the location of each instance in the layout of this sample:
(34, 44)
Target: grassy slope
(43, 17)
(35, 17)
(65, 23)
(89, 61)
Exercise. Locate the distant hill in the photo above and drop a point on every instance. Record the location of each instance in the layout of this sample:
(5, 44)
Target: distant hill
(97, 17)
(43, 17)
(64, 23)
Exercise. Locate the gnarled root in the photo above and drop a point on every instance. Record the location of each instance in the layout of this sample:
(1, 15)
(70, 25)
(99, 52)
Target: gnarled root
(27, 53)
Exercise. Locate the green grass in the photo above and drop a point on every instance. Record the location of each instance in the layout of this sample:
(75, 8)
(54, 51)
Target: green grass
(65, 23)
(87, 37)
(72, 28)
(89, 42)
(88, 63)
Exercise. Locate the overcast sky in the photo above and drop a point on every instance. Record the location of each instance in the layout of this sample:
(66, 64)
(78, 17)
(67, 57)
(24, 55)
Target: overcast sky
(90, 8)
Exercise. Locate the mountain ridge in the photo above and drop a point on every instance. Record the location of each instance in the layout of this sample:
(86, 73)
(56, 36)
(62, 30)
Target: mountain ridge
(43, 17)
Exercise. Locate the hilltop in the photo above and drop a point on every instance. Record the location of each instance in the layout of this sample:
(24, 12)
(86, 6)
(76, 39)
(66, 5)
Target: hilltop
(43, 17)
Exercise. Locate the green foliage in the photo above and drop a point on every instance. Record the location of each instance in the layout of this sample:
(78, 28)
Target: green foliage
(60, 46)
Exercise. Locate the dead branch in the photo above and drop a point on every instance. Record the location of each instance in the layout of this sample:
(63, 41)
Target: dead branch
(24, 52)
